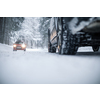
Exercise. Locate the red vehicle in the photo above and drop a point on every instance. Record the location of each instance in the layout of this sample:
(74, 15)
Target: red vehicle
(19, 45)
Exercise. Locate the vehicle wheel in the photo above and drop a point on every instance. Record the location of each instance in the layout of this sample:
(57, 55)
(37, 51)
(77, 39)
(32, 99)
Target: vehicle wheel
(59, 45)
(53, 50)
(95, 48)
(14, 50)
(66, 40)
(49, 47)
(25, 50)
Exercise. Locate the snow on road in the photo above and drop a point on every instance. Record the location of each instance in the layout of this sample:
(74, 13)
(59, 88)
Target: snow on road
(37, 66)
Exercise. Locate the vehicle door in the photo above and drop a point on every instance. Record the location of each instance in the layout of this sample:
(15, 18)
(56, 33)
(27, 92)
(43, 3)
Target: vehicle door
(53, 35)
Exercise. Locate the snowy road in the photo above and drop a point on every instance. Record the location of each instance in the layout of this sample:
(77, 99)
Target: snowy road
(37, 66)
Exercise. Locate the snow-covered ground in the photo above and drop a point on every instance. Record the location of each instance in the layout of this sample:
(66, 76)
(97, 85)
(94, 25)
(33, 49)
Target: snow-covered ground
(37, 66)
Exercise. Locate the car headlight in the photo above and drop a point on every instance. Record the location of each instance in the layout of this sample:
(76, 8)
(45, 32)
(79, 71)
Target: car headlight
(14, 45)
(23, 45)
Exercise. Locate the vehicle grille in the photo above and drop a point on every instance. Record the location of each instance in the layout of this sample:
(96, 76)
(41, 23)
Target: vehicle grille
(18, 47)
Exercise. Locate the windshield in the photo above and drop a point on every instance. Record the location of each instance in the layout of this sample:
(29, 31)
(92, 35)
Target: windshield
(19, 42)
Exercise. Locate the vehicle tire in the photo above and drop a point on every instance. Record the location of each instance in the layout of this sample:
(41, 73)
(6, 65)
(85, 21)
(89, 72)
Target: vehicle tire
(14, 50)
(25, 50)
(66, 40)
(53, 50)
(95, 48)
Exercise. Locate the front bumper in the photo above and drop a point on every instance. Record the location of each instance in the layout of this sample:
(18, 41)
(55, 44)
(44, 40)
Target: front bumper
(19, 48)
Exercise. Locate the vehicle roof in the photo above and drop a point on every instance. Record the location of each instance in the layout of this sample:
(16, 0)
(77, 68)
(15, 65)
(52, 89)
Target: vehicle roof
(19, 41)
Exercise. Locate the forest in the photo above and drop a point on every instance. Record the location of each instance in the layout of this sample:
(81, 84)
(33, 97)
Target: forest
(31, 30)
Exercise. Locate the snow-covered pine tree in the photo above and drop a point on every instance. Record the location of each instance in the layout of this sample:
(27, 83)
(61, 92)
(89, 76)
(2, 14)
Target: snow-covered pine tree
(43, 28)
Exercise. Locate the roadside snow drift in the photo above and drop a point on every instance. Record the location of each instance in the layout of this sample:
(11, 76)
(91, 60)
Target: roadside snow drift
(37, 66)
